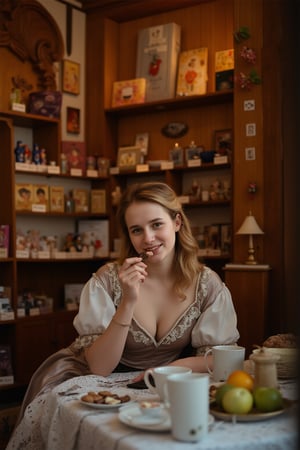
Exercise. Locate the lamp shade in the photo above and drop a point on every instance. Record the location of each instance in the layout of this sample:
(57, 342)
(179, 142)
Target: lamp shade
(250, 226)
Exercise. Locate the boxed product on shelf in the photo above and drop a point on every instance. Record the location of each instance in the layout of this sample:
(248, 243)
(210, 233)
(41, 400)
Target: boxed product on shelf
(224, 69)
(56, 199)
(6, 312)
(4, 241)
(75, 156)
(45, 103)
(23, 196)
(72, 295)
(40, 201)
(157, 59)
(129, 92)
(81, 200)
(98, 201)
(6, 371)
(95, 233)
(192, 72)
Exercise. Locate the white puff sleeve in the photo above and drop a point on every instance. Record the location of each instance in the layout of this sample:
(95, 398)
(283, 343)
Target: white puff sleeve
(217, 323)
(96, 310)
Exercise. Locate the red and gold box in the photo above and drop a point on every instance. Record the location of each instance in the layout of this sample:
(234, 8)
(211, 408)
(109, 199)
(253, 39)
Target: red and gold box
(129, 92)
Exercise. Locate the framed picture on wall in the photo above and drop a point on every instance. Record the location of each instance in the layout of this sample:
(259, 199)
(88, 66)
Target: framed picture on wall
(223, 141)
(73, 120)
(70, 77)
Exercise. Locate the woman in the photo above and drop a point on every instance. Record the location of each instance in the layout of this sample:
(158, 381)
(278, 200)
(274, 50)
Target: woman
(156, 306)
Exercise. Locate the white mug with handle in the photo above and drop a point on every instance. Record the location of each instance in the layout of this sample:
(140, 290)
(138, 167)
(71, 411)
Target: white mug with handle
(159, 376)
(226, 359)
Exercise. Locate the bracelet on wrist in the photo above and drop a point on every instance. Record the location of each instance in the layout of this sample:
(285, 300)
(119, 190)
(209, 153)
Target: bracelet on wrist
(120, 323)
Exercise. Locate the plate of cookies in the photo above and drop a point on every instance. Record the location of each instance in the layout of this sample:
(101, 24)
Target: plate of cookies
(106, 400)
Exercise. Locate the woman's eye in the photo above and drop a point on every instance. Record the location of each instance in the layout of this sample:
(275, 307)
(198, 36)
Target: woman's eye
(136, 231)
(157, 225)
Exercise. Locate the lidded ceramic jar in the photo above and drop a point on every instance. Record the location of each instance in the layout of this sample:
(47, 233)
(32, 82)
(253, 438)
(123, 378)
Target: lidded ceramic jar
(265, 370)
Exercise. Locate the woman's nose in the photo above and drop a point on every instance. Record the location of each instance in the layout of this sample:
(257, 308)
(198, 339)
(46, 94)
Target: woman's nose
(148, 235)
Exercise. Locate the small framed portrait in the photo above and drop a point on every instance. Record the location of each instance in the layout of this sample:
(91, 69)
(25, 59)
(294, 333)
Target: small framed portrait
(71, 77)
(73, 120)
(142, 141)
(129, 157)
(223, 141)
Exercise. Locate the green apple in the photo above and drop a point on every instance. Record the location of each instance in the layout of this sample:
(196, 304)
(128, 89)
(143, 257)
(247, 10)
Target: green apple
(221, 390)
(267, 399)
(237, 400)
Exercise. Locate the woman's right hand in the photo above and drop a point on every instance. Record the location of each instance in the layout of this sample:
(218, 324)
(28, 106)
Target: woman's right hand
(131, 274)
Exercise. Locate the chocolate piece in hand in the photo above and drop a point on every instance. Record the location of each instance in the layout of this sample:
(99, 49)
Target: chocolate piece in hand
(145, 255)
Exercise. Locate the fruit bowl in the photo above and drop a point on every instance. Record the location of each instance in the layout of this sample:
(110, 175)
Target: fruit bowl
(287, 364)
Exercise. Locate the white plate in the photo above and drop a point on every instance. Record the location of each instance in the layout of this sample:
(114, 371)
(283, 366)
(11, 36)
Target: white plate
(108, 407)
(103, 406)
(131, 415)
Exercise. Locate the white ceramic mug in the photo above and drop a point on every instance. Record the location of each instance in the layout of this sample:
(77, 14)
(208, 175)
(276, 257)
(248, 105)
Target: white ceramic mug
(226, 359)
(187, 401)
(159, 376)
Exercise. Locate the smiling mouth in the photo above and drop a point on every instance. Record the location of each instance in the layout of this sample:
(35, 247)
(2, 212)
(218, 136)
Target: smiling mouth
(149, 252)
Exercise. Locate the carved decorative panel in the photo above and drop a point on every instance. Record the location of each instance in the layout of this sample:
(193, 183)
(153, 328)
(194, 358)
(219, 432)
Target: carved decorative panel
(31, 33)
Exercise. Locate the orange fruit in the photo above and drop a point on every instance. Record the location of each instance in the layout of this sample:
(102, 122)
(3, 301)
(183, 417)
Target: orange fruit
(240, 378)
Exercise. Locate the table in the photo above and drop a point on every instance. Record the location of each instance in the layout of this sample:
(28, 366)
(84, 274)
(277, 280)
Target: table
(55, 422)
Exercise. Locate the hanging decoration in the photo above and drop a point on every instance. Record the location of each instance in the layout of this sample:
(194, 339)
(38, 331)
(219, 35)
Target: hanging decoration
(246, 80)
(252, 187)
(248, 55)
(241, 34)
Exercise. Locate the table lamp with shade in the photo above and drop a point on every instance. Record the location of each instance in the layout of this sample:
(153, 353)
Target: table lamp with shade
(250, 227)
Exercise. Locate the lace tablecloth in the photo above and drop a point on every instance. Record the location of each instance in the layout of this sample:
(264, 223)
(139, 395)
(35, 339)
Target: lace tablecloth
(58, 421)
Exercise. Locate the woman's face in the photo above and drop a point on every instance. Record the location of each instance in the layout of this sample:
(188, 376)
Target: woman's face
(151, 228)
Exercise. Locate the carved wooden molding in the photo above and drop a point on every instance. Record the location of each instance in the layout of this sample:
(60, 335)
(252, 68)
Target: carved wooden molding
(29, 31)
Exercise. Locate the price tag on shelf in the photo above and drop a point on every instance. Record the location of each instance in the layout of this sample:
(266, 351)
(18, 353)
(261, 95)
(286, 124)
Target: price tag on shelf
(142, 168)
(221, 159)
(167, 165)
(76, 172)
(194, 163)
(34, 311)
(92, 173)
(55, 170)
(38, 208)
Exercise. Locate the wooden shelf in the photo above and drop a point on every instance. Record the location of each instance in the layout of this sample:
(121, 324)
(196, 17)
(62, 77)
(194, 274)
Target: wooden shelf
(192, 101)
(28, 120)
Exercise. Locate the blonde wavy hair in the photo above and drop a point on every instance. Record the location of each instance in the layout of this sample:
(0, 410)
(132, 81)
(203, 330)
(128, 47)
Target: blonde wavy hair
(186, 265)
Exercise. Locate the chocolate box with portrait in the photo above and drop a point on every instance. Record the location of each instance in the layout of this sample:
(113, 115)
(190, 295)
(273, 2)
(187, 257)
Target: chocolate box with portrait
(45, 103)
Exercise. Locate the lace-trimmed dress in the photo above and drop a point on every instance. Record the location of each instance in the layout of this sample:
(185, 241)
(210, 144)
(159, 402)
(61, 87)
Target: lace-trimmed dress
(209, 320)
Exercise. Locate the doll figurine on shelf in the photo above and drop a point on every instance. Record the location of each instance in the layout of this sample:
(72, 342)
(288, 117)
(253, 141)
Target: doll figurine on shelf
(20, 152)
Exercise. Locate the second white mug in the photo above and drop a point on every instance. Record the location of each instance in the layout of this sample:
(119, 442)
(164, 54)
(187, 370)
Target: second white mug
(226, 359)
(159, 376)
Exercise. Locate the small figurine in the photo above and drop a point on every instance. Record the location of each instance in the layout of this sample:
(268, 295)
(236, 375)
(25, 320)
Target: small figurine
(36, 155)
(43, 156)
(27, 154)
(20, 152)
